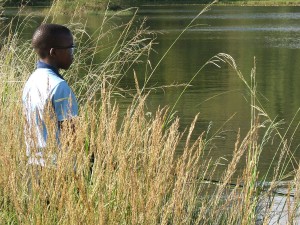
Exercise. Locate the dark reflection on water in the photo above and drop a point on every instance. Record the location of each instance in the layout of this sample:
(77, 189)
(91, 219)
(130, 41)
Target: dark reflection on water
(270, 34)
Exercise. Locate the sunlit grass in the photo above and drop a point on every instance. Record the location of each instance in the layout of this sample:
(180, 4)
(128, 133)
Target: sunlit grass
(138, 177)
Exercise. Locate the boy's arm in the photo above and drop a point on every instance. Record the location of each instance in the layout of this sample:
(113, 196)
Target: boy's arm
(65, 106)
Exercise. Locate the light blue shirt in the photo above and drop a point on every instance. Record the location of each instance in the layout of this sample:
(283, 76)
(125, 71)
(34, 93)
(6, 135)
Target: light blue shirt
(45, 88)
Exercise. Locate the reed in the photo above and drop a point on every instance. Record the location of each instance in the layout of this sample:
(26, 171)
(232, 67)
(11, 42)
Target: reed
(137, 176)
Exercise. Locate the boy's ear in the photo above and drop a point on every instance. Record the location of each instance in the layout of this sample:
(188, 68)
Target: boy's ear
(52, 52)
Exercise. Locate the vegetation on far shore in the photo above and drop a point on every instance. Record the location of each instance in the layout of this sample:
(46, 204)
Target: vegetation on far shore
(119, 4)
(260, 3)
(9, 7)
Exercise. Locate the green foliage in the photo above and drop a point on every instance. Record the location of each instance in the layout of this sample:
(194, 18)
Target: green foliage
(26, 2)
(119, 4)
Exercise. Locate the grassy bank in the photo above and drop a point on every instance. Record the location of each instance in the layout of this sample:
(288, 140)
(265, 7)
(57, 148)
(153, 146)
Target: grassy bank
(96, 5)
(260, 3)
(138, 177)
(100, 6)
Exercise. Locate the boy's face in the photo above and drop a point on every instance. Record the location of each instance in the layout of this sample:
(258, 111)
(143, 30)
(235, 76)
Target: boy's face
(64, 51)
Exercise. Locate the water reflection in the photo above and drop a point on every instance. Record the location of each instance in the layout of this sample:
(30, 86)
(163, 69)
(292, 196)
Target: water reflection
(268, 33)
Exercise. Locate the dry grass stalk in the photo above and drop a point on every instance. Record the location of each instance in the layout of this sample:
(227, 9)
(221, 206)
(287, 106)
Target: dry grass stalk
(137, 178)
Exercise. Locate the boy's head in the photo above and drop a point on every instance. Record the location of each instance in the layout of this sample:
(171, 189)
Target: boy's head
(54, 45)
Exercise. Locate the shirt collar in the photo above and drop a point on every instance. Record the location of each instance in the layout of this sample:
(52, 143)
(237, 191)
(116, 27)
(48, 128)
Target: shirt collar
(41, 64)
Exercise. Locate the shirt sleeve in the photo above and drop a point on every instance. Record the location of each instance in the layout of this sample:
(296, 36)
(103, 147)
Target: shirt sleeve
(64, 102)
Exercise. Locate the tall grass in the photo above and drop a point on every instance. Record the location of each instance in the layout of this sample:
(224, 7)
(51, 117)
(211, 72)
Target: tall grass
(137, 176)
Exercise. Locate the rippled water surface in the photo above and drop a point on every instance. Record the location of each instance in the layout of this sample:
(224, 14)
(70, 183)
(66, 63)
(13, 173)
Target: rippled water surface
(270, 34)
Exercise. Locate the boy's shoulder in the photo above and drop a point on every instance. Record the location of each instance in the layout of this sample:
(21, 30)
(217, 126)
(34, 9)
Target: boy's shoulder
(43, 79)
(45, 75)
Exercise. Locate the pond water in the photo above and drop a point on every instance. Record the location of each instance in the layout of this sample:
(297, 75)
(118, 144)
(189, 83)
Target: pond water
(270, 34)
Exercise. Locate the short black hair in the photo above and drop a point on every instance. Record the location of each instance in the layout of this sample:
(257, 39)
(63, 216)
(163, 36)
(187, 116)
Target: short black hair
(46, 36)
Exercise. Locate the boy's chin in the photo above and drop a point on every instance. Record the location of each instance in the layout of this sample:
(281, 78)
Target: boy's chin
(66, 67)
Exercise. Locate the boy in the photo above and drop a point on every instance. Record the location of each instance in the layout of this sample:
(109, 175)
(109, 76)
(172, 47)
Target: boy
(48, 101)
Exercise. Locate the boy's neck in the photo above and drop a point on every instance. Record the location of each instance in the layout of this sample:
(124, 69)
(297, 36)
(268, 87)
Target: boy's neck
(49, 62)
(42, 64)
